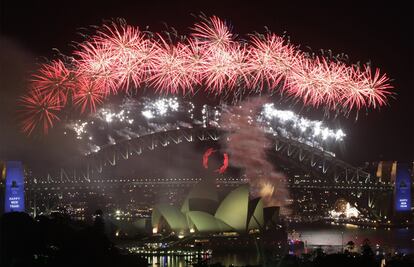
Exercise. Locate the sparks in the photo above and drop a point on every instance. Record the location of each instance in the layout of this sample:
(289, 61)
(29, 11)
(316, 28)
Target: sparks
(120, 57)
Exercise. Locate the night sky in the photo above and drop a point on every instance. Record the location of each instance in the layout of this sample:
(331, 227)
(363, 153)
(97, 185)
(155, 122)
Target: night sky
(381, 34)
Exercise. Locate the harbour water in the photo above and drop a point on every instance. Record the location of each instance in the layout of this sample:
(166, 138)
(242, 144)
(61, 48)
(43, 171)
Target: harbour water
(330, 238)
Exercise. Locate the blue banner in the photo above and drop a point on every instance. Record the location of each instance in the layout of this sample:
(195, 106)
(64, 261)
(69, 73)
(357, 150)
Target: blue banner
(14, 195)
(403, 188)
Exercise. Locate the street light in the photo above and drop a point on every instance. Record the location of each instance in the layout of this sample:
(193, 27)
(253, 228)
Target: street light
(342, 243)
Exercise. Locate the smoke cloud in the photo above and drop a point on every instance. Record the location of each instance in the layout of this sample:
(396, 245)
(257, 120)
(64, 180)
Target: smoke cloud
(247, 145)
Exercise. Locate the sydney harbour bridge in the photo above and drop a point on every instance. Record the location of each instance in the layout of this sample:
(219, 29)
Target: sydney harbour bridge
(323, 172)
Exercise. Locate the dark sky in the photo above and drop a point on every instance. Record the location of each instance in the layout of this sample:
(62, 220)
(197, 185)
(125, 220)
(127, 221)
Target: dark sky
(369, 31)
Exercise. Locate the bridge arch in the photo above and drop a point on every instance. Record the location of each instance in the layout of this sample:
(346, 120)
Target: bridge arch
(324, 166)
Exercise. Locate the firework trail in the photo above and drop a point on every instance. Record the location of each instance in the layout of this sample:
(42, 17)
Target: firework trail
(119, 57)
(247, 144)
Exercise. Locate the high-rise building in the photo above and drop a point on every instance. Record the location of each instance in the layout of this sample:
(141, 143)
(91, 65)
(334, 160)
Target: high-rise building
(386, 171)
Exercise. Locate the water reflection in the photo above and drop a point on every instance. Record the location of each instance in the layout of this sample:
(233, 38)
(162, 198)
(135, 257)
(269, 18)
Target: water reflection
(237, 259)
(163, 261)
(330, 238)
(391, 240)
(173, 260)
(227, 259)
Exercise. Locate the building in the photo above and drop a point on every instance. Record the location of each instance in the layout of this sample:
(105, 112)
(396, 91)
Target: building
(203, 213)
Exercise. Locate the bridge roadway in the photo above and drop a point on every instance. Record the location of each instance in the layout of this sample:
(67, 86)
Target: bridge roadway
(188, 182)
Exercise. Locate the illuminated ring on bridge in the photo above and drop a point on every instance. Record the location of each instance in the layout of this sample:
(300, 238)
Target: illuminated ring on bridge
(223, 167)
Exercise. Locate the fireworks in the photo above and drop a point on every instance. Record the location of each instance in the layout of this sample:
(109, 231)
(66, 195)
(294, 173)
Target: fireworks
(213, 33)
(132, 55)
(270, 60)
(88, 95)
(119, 57)
(95, 63)
(160, 107)
(134, 118)
(173, 70)
(38, 110)
(286, 119)
(223, 68)
(54, 81)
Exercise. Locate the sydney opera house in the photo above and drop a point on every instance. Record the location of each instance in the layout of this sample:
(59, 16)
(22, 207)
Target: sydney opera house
(234, 221)
(203, 213)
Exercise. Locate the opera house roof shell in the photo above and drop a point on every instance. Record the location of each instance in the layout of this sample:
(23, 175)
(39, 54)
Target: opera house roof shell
(202, 212)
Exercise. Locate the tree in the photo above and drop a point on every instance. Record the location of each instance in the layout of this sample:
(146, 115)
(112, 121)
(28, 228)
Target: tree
(366, 248)
(350, 246)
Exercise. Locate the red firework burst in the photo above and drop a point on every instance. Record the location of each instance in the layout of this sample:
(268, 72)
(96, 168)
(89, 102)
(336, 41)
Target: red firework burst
(38, 109)
(120, 56)
(269, 60)
(54, 80)
(318, 82)
(89, 94)
(375, 88)
(175, 68)
(223, 62)
(133, 53)
(213, 32)
(224, 68)
(97, 63)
